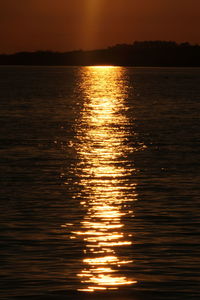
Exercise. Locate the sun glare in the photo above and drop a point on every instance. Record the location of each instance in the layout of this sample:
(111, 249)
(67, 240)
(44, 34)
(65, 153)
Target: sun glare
(102, 67)
(106, 195)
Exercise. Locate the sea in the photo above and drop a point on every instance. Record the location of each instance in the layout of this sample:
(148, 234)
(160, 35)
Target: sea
(100, 183)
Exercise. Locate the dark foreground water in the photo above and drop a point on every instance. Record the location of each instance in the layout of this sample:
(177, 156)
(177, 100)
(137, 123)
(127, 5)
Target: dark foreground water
(100, 182)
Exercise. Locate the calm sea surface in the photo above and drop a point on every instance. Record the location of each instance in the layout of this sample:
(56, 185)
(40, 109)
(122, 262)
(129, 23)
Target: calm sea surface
(100, 183)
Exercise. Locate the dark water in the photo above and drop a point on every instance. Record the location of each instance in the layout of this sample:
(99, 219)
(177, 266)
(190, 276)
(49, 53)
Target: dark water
(100, 182)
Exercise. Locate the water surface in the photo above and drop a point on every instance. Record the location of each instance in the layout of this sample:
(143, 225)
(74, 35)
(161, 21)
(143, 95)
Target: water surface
(100, 182)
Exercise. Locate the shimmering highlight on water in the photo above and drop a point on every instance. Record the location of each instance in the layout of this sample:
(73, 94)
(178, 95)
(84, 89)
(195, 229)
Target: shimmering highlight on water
(102, 147)
(100, 183)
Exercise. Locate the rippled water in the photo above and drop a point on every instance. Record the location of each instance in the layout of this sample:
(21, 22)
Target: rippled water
(100, 182)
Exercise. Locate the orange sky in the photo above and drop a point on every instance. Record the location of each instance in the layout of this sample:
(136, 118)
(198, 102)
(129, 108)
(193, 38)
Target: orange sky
(62, 25)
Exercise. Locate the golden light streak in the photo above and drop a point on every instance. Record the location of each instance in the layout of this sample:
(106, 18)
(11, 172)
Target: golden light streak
(102, 67)
(91, 24)
(104, 173)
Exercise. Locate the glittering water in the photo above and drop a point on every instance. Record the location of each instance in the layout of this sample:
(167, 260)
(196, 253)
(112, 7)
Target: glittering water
(100, 182)
(104, 170)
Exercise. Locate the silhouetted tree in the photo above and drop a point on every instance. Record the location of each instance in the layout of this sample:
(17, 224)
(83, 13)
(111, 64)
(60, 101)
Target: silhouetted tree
(140, 53)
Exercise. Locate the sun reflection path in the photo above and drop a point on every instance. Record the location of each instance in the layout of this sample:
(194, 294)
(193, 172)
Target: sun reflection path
(105, 176)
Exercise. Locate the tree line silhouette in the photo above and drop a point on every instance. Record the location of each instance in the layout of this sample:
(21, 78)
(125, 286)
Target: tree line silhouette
(146, 53)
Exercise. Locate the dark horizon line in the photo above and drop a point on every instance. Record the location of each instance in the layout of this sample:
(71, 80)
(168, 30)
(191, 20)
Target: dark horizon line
(145, 53)
(106, 48)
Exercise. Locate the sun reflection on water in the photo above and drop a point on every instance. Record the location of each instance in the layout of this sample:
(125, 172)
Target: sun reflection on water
(104, 172)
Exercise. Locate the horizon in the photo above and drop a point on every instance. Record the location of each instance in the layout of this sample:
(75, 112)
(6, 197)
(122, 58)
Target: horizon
(104, 48)
(145, 53)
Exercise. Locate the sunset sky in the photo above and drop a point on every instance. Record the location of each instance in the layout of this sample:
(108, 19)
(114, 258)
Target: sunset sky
(62, 25)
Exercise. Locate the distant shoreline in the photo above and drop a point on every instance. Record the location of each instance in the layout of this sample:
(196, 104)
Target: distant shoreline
(138, 54)
(117, 66)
